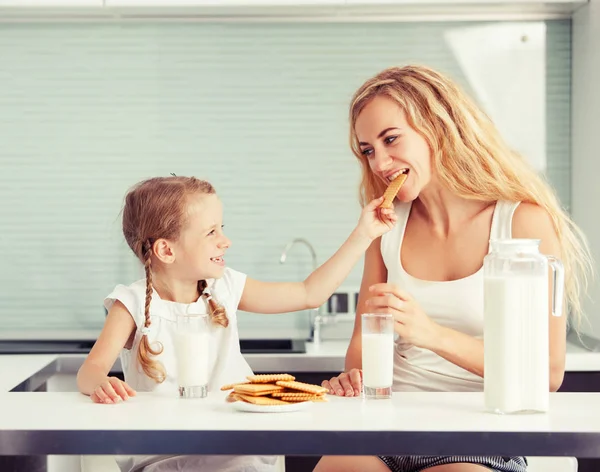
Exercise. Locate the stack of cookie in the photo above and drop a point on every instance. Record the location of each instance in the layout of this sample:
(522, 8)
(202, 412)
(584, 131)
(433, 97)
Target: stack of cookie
(274, 389)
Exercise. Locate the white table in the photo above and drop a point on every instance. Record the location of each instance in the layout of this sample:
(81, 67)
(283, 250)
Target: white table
(421, 423)
(410, 423)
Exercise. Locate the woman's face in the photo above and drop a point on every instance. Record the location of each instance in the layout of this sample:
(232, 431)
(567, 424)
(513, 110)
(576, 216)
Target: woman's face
(390, 146)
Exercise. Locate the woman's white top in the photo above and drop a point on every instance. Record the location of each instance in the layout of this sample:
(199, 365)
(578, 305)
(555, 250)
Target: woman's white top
(456, 304)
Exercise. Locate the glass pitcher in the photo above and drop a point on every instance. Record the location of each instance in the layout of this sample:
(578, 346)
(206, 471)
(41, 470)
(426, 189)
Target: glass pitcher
(516, 325)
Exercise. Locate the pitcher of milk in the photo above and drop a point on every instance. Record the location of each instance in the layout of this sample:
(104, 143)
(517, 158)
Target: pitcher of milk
(516, 328)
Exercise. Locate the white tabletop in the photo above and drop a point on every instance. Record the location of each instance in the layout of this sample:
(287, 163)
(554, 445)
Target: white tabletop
(406, 411)
(410, 423)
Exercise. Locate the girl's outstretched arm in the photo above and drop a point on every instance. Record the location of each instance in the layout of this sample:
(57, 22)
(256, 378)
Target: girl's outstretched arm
(283, 297)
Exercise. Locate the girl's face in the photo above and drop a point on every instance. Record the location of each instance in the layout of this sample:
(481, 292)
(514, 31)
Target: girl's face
(200, 250)
(390, 146)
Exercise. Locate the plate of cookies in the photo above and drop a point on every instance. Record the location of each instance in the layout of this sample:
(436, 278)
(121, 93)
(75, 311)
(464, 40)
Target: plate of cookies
(273, 393)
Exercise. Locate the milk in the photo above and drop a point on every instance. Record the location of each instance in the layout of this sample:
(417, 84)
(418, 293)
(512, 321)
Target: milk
(516, 346)
(191, 351)
(378, 359)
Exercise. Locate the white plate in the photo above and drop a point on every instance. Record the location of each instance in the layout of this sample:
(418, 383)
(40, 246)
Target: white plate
(252, 408)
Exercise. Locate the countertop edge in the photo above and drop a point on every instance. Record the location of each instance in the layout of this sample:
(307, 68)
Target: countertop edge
(328, 356)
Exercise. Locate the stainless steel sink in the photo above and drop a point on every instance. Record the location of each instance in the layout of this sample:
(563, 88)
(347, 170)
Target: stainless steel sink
(272, 346)
(247, 346)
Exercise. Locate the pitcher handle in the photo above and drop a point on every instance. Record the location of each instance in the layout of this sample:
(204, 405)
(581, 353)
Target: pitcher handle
(558, 285)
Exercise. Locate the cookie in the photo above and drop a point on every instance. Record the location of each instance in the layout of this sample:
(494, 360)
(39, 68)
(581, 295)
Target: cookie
(257, 389)
(293, 393)
(261, 400)
(274, 389)
(301, 398)
(269, 378)
(232, 397)
(392, 190)
(231, 386)
(302, 387)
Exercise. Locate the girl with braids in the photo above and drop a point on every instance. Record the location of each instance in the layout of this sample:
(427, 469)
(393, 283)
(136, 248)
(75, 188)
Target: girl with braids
(174, 225)
(465, 186)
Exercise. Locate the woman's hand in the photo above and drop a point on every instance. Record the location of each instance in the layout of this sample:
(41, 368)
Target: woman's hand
(410, 321)
(375, 221)
(347, 384)
(112, 390)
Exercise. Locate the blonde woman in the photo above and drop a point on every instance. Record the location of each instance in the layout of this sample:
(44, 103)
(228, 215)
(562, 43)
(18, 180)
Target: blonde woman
(464, 186)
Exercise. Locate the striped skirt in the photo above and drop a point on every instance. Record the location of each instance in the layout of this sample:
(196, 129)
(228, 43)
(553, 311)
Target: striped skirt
(418, 463)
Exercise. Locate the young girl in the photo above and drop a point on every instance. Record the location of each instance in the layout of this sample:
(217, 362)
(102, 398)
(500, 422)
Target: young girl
(174, 225)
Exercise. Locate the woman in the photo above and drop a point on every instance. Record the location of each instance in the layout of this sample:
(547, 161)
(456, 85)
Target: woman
(464, 187)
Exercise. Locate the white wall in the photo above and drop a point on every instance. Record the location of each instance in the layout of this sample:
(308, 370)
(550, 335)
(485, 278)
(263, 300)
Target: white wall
(586, 142)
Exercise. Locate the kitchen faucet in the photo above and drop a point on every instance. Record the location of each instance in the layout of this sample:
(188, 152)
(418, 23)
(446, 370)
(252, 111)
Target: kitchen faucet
(313, 254)
(321, 316)
(323, 319)
(300, 241)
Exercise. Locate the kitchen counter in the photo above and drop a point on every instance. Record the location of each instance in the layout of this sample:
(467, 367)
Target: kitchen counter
(15, 369)
(580, 359)
(327, 357)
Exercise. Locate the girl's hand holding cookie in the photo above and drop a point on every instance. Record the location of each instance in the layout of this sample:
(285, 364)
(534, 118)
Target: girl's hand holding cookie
(375, 221)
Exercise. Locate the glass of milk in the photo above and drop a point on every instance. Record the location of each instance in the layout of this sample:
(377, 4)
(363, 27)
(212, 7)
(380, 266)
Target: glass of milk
(377, 354)
(191, 351)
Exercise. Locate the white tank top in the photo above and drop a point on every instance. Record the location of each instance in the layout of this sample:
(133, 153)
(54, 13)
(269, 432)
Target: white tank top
(226, 365)
(456, 304)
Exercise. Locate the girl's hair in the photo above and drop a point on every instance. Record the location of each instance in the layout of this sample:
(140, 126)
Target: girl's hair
(470, 158)
(157, 209)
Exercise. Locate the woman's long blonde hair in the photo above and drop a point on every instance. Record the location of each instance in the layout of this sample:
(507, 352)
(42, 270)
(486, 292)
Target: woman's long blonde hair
(470, 158)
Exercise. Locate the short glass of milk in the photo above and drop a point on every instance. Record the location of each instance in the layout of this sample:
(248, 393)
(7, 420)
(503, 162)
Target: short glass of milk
(377, 354)
(191, 352)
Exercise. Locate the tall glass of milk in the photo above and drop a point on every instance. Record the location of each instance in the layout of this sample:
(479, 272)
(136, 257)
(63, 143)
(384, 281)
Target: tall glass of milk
(191, 351)
(517, 305)
(377, 354)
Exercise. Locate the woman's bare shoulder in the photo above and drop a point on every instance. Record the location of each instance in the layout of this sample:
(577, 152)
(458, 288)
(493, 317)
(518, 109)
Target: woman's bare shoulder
(532, 221)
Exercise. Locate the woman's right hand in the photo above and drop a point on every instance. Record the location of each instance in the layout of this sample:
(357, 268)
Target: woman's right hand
(112, 390)
(347, 384)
